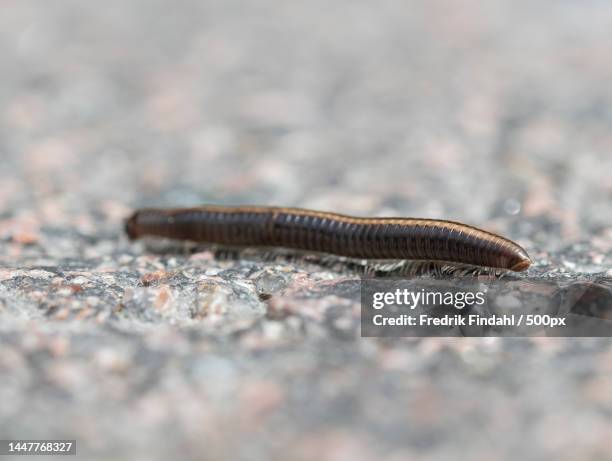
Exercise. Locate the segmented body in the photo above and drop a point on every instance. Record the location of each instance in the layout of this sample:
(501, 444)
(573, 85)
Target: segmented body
(367, 238)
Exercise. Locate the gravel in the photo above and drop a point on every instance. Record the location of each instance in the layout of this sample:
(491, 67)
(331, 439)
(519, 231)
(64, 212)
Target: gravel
(494, 113)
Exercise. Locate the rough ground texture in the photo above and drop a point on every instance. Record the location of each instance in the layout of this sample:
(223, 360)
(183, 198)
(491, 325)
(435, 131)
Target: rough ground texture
(495, 113)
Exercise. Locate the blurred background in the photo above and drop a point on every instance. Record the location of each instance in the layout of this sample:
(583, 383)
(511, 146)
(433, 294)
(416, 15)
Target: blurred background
(495, 113)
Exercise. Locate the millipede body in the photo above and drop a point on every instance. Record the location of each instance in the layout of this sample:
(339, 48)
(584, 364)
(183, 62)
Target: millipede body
(364, 238)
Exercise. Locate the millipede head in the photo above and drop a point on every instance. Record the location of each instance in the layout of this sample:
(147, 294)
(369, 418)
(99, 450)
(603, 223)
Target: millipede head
(521, 262)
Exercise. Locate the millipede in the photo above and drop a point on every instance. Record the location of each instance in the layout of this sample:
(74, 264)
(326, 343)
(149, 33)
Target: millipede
(332, 233)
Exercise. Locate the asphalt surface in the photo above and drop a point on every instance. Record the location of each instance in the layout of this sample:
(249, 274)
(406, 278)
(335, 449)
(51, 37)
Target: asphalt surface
(496, 113)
